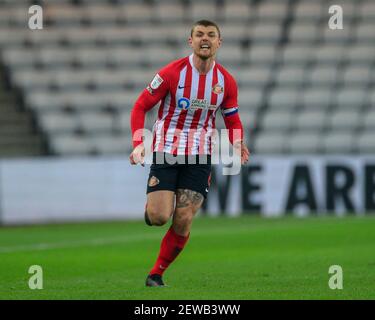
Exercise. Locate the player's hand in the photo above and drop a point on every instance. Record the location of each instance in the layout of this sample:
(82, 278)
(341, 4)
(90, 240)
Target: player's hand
(241, 149)
(138, 155)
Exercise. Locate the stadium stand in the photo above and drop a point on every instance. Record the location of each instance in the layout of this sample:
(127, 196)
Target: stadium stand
(303, 88)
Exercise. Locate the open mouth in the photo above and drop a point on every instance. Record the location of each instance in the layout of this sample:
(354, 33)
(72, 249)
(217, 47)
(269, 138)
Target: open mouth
(205, 47)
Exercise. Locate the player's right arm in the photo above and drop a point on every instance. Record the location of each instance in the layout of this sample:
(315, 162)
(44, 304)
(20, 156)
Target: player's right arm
(155, 91)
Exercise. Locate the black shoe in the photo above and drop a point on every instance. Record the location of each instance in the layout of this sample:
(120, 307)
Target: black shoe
(154, 280)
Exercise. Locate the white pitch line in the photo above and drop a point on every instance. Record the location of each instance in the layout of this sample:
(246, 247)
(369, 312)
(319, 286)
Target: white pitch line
(108, 241)
(72, 244)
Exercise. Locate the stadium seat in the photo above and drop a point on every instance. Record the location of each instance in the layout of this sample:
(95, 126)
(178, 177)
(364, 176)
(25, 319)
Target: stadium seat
(101, 15)
(76, 38)
(290, 75)
(338, 142)
(230, 55)
(329, 54)
(201, 10)
(344, 120)
(284, 98)
(28, 80)
(302, 32)
(366, 143)
(43, 101)
(317, 98)
(17, 59)
(58, 123)
(236, 11)
(302, 142)
(266, 32)
(71, 80)
(297, 54)
(368, 121)
(308, 11)
(69, 144)
(311, 120)
(367, 10)
(323, 76)
(250, 99)
(96, 122)
(270, 143)
(262, 54)
(364, 33)
(234, 33)
(136, 13)
(355, 75)
(56, 58)
(169, 12)
(86, 101)
(363, 54)
(254, 77)
(271, 11)
(351, 98)
(65, 15)
(111, 144)
(276, 120)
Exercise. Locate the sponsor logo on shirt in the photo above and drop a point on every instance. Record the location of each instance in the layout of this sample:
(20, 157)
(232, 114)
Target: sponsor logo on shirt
(183, 103)
(156, 82)
(201, 104)
(195, 104)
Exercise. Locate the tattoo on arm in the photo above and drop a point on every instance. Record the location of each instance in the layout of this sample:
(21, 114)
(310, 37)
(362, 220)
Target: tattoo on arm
(186, 197)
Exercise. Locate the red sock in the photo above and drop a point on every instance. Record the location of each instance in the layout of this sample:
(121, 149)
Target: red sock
(171, 245)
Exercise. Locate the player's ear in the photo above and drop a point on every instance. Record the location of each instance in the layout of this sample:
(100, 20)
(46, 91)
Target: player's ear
(190, 41)
(219, 42)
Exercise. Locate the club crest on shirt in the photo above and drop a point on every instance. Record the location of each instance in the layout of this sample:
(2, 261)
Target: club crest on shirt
(156, 82)
(153, 181)
(217, 89)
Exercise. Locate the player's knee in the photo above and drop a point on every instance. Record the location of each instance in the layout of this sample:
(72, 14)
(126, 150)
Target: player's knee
(160, 220)
(185, 217)
(157, 217)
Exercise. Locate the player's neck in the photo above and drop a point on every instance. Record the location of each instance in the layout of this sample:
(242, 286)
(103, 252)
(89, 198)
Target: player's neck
(203, 66)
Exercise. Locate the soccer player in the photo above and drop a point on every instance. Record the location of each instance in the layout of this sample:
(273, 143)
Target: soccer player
(191, 90)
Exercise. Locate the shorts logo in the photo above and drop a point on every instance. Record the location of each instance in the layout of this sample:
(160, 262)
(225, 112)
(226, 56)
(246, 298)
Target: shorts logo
(156, 82)
(217, 89)
(153, 181)
(183, 103)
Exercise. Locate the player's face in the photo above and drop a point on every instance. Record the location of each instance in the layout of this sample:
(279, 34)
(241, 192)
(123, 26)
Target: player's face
(205, 41)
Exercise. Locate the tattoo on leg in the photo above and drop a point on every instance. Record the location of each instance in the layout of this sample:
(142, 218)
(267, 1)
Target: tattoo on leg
(186, 197)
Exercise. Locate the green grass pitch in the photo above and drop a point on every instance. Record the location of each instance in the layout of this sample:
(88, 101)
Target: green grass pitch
(225, 258)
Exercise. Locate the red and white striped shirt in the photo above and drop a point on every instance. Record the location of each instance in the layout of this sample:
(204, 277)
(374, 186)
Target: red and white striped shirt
(189, 102)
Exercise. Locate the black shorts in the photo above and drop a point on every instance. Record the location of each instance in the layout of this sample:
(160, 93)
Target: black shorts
(180, 174)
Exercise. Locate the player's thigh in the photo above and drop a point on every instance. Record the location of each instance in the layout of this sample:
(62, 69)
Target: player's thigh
(188, 201)
(161, 188)
(160, 203)
(193, 184)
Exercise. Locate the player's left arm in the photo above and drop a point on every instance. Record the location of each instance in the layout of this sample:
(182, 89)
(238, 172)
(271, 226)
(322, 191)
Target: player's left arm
(230, 112)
